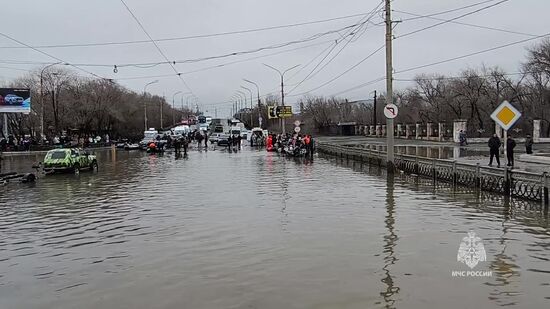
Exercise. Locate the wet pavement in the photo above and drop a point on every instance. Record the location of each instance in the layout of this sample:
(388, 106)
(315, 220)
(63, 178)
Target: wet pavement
(256, 230)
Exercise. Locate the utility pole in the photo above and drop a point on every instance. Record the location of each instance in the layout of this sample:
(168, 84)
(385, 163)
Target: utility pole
(282, 90)
(389, 88)
(374, 108)
(161, 104)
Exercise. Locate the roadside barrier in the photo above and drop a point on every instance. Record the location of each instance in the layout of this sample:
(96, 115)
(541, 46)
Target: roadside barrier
(513, 183)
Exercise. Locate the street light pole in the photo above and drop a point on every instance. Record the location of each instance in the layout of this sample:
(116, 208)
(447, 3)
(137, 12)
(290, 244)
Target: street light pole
(282, 74)
(243, 102)
(42, 101)
(145, 101)
(251, 99)
(174, 108)
(259, 102)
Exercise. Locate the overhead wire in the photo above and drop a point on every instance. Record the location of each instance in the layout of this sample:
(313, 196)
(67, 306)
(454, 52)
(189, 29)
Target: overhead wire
(444, 61)
(468, 24)
(452, 19)
(198, 36)
(414, 32)
(51, 56)
(450, 11)
(157, 47)
(353, 32)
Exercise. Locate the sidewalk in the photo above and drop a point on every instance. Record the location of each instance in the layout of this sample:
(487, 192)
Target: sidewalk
(476, 153)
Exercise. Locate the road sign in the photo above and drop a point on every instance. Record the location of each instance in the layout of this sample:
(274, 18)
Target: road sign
(297, 123)
(297, 129)
(390, 111)
(284, 111)
(272, 112)
(506, 115)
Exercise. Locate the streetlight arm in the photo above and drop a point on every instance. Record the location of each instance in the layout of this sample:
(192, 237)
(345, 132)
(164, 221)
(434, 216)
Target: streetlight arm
(267, 65)
(290, 69)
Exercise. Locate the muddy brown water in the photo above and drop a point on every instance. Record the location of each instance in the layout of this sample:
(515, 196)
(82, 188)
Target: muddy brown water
(255, 230)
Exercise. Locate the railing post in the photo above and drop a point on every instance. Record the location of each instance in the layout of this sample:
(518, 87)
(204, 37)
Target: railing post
(434, 171)
(455, 175)
(416, 167)
(507, 182)
(478, 176)
(545, 188)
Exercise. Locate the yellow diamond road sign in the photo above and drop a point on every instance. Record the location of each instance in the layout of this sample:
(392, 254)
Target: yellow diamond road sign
(506, 115)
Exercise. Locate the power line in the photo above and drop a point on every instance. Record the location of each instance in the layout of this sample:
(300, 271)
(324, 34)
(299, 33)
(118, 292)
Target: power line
(449, 11)
(232, 54)
(156, 45)
(453, 19)
(49, 55)
(442, 61)
(374, 81)
(464, 77)
(230, 63)
(354, 32)
(343, 73)
(472, 54)
(198, 36)
(467, 24)
(410, 33)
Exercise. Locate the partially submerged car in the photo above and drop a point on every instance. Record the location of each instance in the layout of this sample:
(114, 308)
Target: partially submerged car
(69, 160)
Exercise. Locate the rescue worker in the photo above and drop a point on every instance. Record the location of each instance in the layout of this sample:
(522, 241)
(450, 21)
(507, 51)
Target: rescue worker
(269, 143)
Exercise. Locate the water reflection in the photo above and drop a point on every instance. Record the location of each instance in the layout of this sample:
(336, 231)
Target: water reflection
(435, 152)
(506, 272)
(390, 241)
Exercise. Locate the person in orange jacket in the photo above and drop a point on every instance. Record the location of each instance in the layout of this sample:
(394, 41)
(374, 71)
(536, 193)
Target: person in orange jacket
(269, 143)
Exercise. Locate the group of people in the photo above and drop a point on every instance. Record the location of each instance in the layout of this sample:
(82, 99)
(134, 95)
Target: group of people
(234, 141)
(295, 144)
(495, 143)
(494, 149)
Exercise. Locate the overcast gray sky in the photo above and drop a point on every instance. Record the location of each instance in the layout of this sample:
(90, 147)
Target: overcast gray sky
(59, 22)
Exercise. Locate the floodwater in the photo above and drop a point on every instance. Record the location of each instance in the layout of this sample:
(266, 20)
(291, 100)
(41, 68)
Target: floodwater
(434, 152)
(255, 230)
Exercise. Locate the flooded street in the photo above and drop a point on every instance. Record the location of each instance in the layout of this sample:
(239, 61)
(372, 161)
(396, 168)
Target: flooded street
(256, 230)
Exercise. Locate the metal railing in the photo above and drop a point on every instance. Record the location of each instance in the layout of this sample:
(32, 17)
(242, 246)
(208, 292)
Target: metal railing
(514, 183)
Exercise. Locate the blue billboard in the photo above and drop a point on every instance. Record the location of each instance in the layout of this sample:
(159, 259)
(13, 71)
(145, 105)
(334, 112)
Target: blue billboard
(15, 100)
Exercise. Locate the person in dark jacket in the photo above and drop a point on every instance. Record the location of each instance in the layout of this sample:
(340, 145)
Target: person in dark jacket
(529, 144)
(510, 145)
(494, 145)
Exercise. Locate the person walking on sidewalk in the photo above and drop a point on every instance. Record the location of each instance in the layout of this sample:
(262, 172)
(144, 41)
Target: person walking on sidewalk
(494, 146)
(529, 144)
(510, 145)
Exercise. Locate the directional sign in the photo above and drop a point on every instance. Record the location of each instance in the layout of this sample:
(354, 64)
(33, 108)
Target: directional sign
(272, 112)
(297, 123)
(390, 111)
(506, 115)
(284, 111)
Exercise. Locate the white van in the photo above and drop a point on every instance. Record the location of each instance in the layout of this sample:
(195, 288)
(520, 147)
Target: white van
(182, 130)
